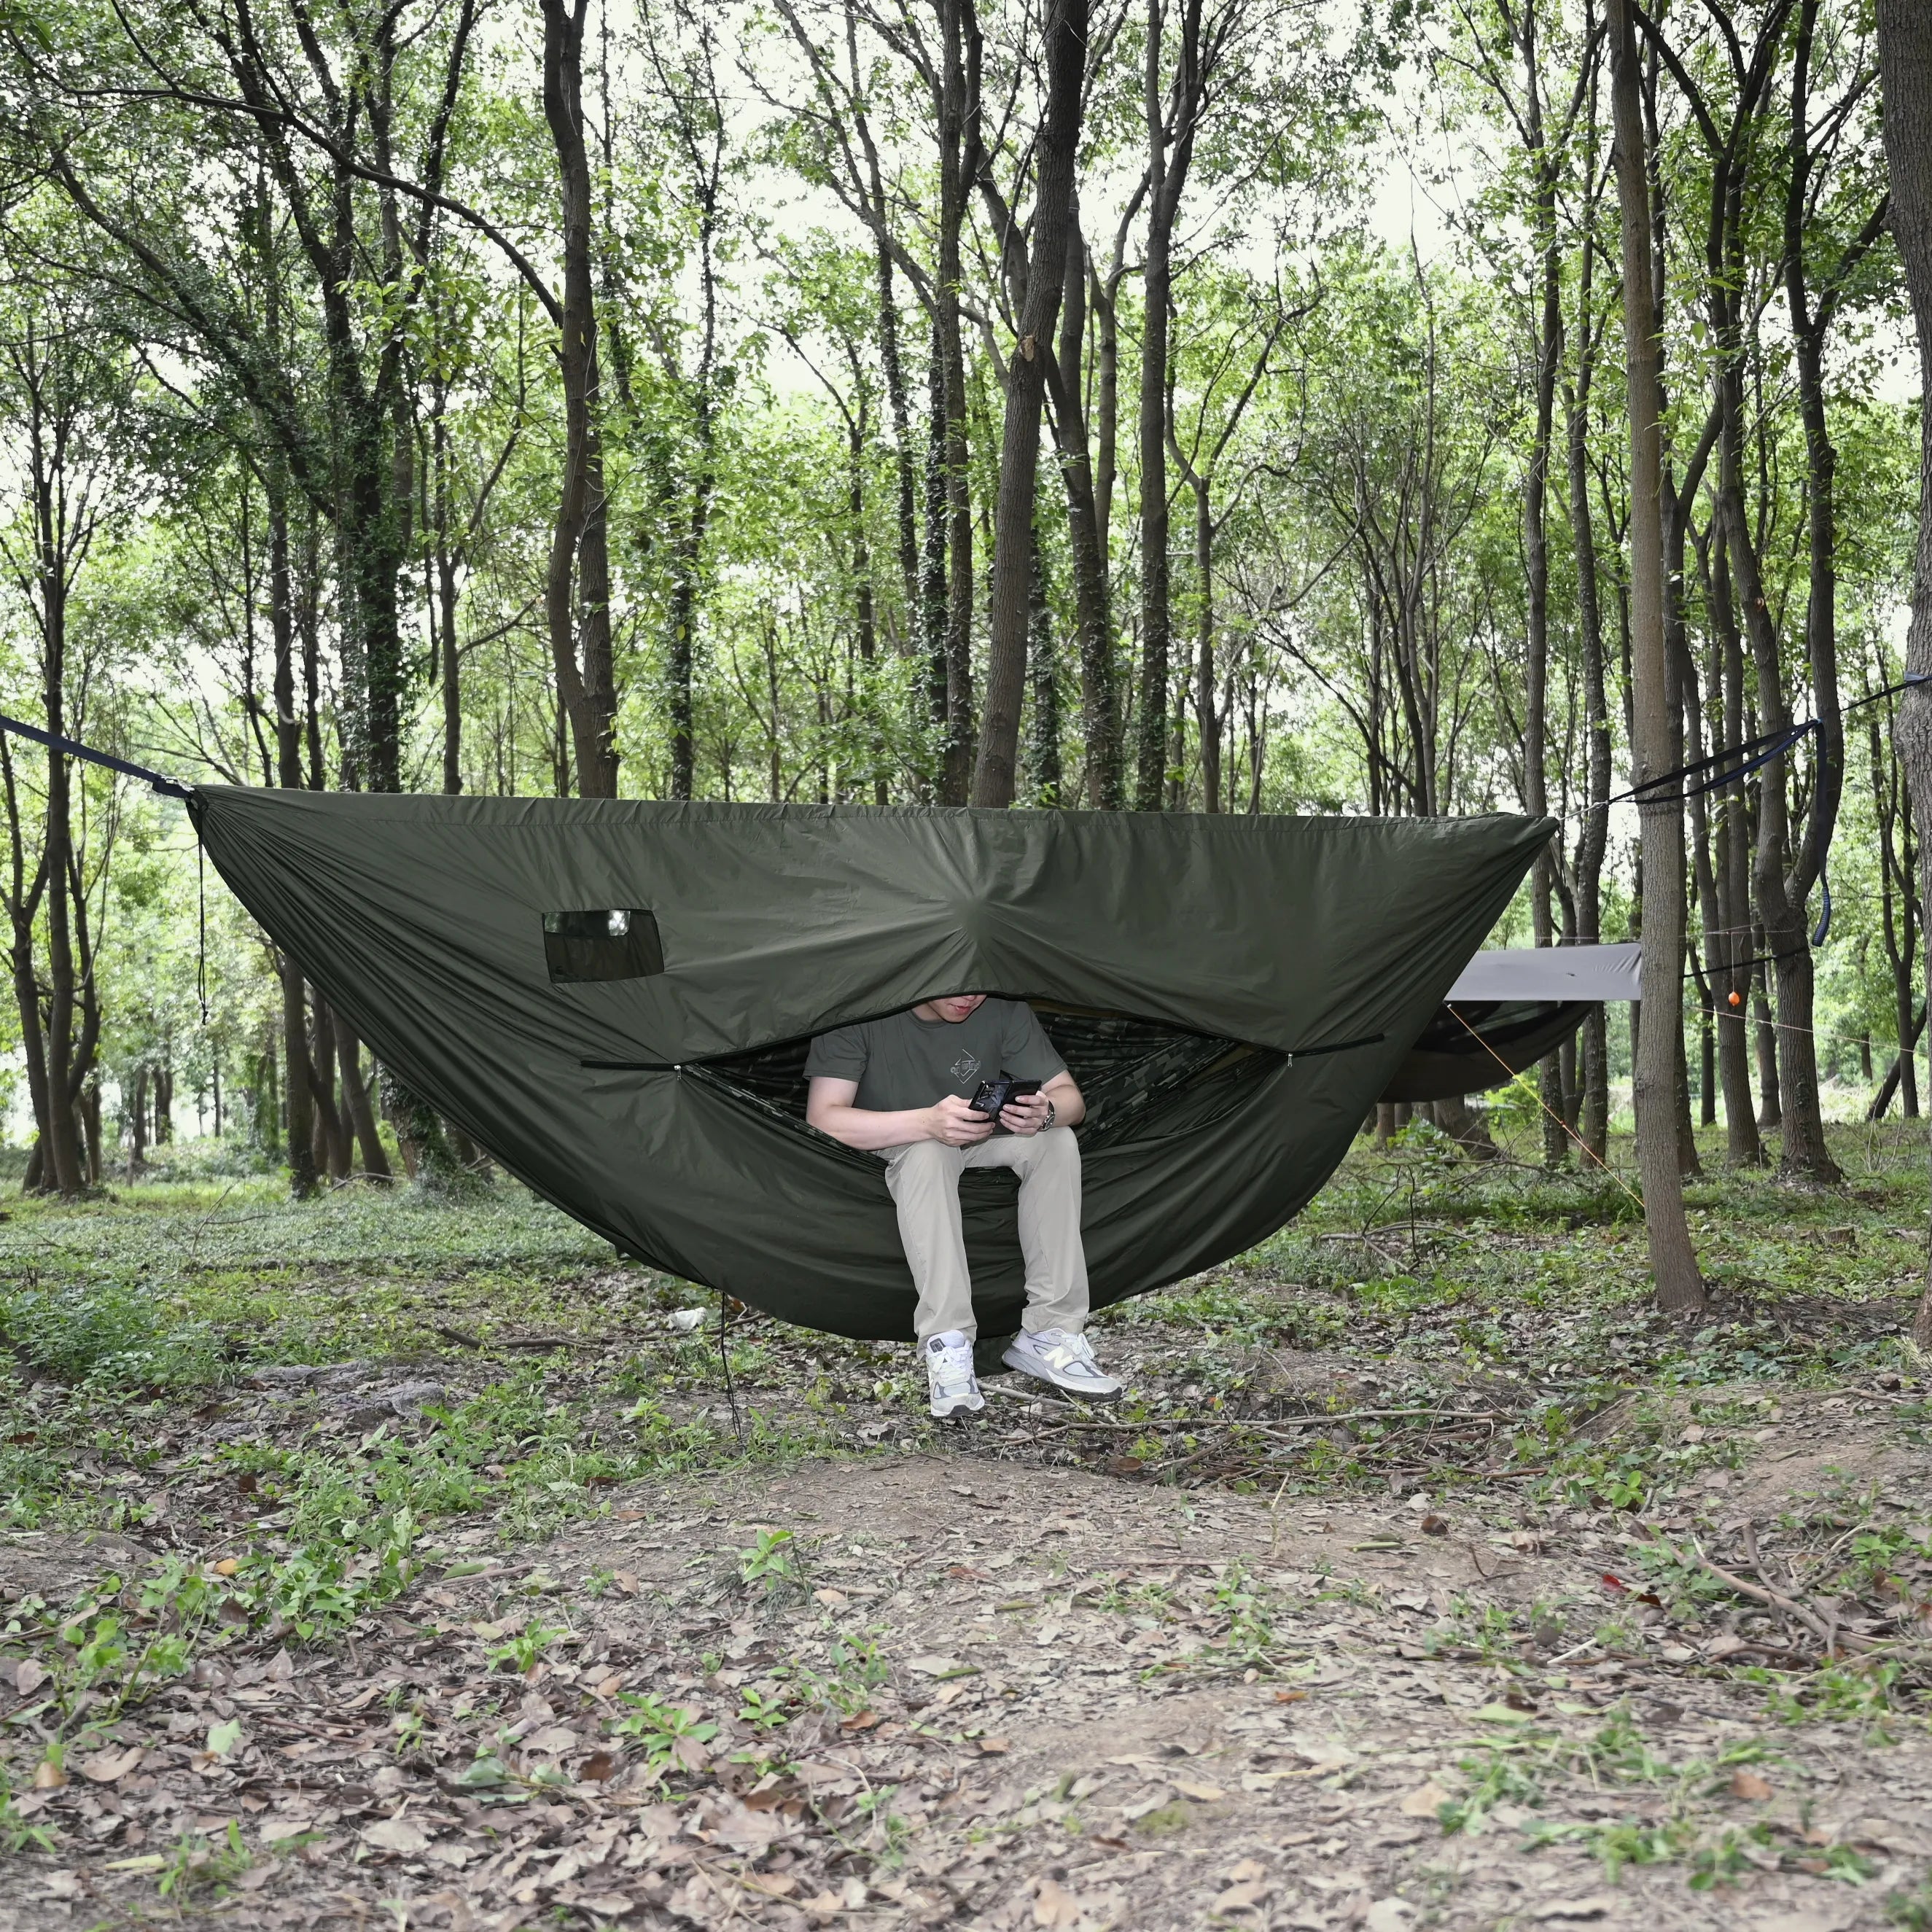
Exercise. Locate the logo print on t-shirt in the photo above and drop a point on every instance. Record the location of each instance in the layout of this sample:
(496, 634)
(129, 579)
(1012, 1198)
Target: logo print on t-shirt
(965, 1066)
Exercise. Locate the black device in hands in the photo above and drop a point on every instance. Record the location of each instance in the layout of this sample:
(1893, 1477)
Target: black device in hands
(994, 1095)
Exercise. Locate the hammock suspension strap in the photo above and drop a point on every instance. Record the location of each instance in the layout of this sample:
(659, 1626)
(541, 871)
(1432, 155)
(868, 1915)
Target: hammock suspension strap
(166, 787)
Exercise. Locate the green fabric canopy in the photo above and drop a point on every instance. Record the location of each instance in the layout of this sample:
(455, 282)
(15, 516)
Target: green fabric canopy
(614, 998)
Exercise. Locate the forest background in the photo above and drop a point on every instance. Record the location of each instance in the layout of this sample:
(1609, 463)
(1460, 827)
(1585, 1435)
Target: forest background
(878, 403)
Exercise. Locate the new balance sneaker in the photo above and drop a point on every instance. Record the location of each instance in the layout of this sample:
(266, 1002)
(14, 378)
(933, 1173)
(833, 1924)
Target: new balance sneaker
(1066, 1360)
(953, 1387)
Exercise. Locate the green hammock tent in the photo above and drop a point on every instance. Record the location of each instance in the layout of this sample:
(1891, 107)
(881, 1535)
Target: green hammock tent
(615, 998)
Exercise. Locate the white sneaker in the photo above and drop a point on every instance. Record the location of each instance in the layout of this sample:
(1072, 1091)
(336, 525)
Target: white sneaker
(953, 1387)
(1066, 1360)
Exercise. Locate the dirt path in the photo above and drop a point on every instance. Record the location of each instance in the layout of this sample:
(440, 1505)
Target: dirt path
(1030, 1697)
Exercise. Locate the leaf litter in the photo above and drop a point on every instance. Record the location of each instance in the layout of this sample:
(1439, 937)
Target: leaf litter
(1352, 1644)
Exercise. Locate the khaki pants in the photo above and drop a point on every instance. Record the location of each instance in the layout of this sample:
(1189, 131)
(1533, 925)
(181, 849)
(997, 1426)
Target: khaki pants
(923, 1177)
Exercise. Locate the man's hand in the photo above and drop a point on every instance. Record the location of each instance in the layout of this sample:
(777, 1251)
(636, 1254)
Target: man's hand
(1025, 1113)
(958, 1125)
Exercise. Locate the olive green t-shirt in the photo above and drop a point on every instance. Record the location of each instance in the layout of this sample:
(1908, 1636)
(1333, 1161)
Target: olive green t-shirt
(902, 1061)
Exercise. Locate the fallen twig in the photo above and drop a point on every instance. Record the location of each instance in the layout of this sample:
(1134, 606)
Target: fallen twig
(1827, 1633)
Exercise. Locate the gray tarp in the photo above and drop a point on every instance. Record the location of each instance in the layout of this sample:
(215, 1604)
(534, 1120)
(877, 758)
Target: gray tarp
(1232, 992)
(1586, 972)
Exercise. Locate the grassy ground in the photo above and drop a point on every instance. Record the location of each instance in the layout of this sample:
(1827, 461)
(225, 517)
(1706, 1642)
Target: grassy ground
(397, 1556)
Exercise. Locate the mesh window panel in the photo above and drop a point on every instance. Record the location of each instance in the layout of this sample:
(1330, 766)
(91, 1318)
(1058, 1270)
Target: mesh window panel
(620, 943)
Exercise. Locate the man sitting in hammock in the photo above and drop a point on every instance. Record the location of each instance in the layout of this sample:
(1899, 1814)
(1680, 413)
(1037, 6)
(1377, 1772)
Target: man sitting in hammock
(902, 1087)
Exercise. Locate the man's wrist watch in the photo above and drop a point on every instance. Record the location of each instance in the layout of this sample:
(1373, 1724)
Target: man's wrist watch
(1051, 1113)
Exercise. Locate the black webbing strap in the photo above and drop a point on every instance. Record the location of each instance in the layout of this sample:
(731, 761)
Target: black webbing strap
(1909, 682)
(1714, 772)
(1753, 752)
(53, 741)
(167, 788)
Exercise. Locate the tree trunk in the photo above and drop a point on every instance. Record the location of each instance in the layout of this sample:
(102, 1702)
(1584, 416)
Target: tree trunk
(1594, 1125)
(893, 368)
(1548, 345)
(932, 603)
(1465, 1127)
(90, 1124)
(23, 900)
(1730, 945)
(1900, 1070)
(1805, 1151)
(1167, 178)
(1673, 1264)
(1207, 712)
(268, 1119)
(577, 587)
(1805, 1154)
(303, 1174)
(355, 1103)
(451, 657)
(1905, 71)
(1771, 1110)
(688, 562)
(1045, 781)
(958, 96)
(1045, 272)
(1100, 703)
(1898, 890)
(331, 1134)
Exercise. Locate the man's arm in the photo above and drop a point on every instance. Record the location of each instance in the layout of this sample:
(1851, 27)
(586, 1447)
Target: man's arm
(1027, 1114)
(828, 1108)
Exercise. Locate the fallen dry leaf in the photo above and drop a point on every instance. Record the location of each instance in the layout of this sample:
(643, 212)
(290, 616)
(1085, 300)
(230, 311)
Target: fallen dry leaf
(1247, 1871)
(403, 1835)
(1387, 1915)
(105, 1767)
(1597, 1905)
(226, 1566)
(1748, 1784)
(993, 1746)
(1243, 1897)
(860, 1720)
(774, 1885)
(28, 1676)
(1054, 1905)
(1206, 1794)
(1290, 1697)
(597, 1767)
(1424, 1801)
(48, 1776)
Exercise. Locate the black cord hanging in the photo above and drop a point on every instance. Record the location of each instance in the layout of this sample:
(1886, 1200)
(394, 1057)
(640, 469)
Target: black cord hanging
(724, 1355)
(201, 944)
